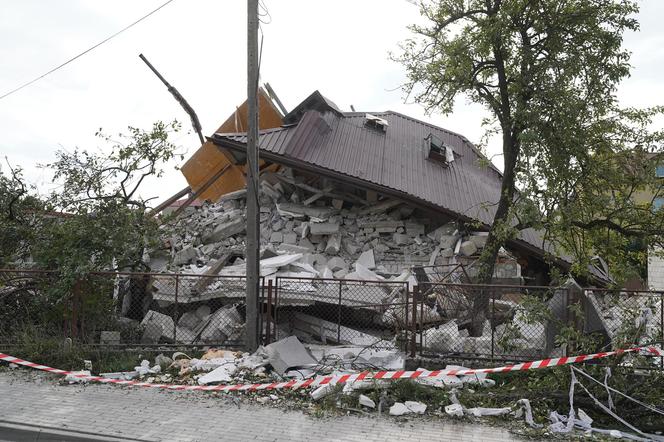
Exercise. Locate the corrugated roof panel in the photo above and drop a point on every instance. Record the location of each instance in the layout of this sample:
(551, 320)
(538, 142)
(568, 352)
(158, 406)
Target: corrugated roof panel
(396, 159)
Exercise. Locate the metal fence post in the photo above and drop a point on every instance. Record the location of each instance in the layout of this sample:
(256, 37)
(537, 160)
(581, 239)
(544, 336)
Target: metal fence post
(275, 313)
(339, 317)
(406, 318)
(413, 336)
(568, 320)
(268, 319)
(491, 320)
(175, 319)
(661, 326)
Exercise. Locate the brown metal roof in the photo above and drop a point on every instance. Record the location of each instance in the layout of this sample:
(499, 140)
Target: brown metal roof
(341, 144)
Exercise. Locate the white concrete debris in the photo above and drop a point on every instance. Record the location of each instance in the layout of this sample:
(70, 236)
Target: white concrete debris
(371, 234)
(454, 410)
(288, 353)
(309, 230)
(220, 374)
(408, 407)
(366, 401)
(121, 375)
(73, 377)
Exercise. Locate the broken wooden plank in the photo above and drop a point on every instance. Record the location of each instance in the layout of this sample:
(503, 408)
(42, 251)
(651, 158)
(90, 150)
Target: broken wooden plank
(318, 195)
(213, 271)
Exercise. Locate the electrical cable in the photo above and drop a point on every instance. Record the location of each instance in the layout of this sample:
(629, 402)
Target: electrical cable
(24, 85)
(643, 404)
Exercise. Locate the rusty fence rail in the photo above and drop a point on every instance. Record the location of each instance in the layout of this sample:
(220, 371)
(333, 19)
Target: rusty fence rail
(350, 312)
(519, 323)
(496, 322)
(122, 308)
(450, 320)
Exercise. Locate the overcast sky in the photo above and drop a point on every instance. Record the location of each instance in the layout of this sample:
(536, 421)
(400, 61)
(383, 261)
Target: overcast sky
(340, 48)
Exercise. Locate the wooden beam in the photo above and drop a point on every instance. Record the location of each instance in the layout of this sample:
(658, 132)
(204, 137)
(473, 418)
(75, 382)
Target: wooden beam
(202, 189)
(318, 195)
(169, 201)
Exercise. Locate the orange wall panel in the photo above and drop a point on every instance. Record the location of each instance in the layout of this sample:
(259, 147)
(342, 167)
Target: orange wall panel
(208, 159)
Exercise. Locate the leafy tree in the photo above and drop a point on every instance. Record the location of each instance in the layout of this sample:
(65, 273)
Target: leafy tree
(106, 224)
(547, 72)
(96, 220)
(17, 215)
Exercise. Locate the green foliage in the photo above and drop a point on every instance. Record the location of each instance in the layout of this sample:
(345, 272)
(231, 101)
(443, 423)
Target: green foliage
(96, 220)
(17, 215)
(547, 72)
(34, 344)
(106, 215)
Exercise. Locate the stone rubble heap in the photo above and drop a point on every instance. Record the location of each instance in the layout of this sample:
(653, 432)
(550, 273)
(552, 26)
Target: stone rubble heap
(330, 237)
(319, 234)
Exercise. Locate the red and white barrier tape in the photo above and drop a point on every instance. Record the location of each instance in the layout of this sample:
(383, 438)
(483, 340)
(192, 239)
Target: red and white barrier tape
(346, 378)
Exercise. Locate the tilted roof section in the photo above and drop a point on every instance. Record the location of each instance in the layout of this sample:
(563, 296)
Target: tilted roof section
(396, 159)
(341, 145)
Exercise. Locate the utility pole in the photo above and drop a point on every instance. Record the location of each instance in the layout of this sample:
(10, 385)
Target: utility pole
(253, 235)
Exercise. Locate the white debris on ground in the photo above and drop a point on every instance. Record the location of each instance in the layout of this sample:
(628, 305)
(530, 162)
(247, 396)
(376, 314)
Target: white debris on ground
(408, 407)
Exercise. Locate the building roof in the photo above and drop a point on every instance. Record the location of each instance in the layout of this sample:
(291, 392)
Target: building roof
(340, 145)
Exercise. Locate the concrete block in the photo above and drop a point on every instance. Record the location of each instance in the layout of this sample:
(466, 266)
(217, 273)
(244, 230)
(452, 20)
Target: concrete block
(401, 239)
(288, 353)
(444, 230)
(414, 229)
(277, 237)
(339, 274)
(290, 238)
(307, 244)
(350, 246)
(333, 245)
(468, 248)
(291, 248)
(185, 256)
(479, 239)
(324, 228)
(448, 241)
(367, 259)
(336, 264)
(225, 230)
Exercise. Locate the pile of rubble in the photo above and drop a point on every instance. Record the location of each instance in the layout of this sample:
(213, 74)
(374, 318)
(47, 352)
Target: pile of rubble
(314, 235)
(330, 234)
(310, 237)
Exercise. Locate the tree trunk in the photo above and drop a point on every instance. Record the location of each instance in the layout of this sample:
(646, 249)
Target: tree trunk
(497, 235)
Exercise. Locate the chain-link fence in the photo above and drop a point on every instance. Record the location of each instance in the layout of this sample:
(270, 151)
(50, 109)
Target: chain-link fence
(443, 319)
(625, 318)
(176, 309)
(30, 305)
(498, 322)
(332, 311)
(123, 309)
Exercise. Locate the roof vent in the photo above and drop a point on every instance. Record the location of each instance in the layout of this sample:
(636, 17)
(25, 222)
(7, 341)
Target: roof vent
(376, 122)
(438, 151)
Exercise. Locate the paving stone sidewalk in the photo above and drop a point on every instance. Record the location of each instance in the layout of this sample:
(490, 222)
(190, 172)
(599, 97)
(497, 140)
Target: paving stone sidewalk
(155, 415)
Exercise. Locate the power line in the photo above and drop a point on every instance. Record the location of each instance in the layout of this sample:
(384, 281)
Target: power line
(84, 52)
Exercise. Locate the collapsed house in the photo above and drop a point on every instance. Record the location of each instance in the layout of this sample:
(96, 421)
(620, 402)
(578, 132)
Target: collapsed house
(355, 209)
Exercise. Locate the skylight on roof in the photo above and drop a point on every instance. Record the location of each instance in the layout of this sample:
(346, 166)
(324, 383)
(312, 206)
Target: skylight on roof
(376, 122)
(438, 151)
